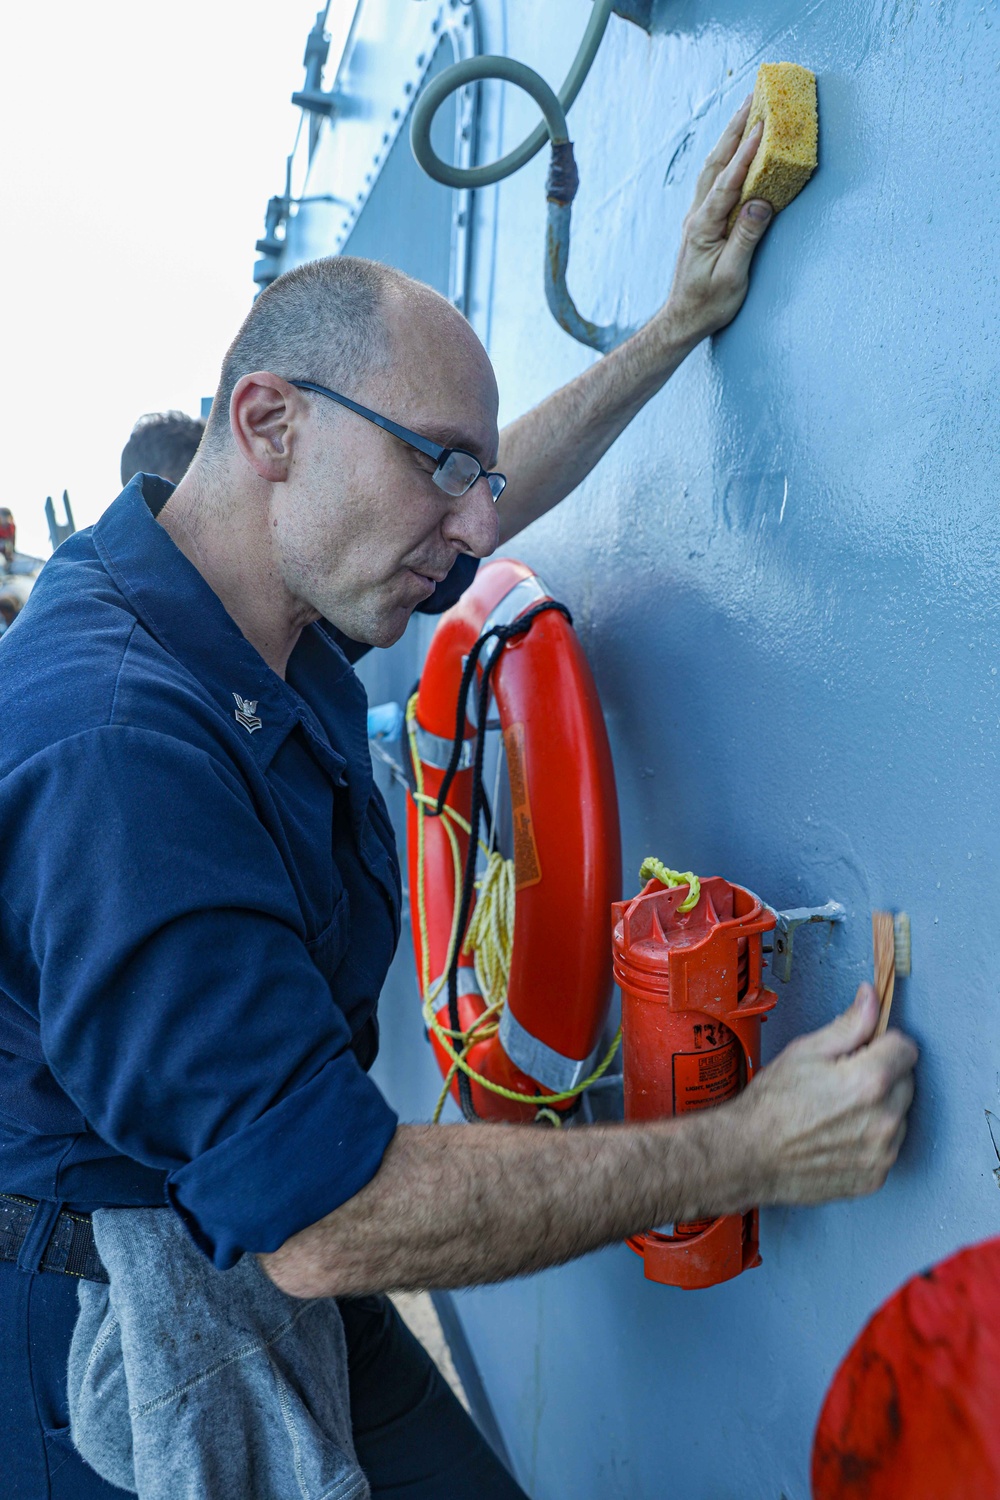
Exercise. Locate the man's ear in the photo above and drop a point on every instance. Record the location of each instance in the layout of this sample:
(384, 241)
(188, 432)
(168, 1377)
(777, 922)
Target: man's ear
(264, 413)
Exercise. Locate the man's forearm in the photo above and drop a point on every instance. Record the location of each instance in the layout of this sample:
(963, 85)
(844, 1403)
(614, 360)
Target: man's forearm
(458, 1205)
(552, 448)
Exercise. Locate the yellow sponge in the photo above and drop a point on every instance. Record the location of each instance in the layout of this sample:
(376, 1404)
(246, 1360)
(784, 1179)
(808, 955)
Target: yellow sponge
(784, 97)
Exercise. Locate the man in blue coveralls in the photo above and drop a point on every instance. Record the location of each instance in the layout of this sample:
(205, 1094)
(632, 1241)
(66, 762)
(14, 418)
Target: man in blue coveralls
(190, 966)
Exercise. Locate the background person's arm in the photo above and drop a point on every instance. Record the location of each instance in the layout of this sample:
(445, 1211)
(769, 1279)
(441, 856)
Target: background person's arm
(552, 448)
(460, 1205)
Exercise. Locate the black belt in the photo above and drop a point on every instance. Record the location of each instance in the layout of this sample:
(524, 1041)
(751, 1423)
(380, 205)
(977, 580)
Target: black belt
(70, 1248)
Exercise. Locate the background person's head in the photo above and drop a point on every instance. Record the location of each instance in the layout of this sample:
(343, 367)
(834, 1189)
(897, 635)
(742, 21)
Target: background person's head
(356, 526)
(164, 443)
(10, 608)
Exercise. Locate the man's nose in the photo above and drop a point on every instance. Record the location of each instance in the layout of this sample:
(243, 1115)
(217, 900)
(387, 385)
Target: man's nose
(472, 521)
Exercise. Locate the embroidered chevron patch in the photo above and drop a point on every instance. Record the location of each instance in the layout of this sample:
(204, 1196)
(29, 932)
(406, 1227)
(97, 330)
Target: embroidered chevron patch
(246, 713)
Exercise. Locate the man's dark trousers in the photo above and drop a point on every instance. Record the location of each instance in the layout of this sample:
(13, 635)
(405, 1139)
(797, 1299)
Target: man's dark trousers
(412, 1436)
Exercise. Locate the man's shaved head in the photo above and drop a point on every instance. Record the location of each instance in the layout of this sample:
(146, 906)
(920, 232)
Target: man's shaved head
(344, 513)
(322, 321)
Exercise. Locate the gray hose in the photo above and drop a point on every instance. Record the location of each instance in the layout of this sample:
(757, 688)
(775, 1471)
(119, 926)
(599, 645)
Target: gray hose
(562, 181)
(508, 71)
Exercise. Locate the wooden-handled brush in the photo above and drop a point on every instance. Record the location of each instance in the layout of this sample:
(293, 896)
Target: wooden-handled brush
(891, 941)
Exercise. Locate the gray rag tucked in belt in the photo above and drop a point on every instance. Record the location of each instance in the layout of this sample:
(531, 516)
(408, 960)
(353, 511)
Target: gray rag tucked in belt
(190, 1383)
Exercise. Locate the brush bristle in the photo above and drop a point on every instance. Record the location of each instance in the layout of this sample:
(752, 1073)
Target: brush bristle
(901, 934)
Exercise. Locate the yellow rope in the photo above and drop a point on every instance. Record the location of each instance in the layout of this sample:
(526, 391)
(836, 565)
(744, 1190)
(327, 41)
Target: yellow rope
(552, 1116)
(490, 940)
(654, 869)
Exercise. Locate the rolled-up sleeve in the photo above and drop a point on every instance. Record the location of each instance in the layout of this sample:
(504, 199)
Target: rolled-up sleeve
(178, 1005)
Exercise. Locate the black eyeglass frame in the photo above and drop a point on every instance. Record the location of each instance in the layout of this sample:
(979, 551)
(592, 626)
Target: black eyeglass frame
(436, 451)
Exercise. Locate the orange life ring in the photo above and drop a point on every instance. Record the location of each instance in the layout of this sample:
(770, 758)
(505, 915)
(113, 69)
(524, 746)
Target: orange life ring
(567, 853)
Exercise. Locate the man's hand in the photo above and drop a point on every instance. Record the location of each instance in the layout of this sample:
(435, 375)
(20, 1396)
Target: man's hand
(547, 452)
(713, 268)
(826, 1119)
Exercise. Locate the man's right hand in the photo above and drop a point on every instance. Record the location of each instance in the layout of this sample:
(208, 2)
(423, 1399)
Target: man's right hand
(826, 1119)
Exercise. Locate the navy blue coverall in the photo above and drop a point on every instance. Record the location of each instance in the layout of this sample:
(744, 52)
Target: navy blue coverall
(199, 902)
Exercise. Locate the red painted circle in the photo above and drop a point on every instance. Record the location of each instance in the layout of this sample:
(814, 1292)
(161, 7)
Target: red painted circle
(913, 1413)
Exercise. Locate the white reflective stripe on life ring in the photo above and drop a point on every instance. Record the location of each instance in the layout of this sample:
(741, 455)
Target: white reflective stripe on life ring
(434, 750)
(549, 1068)
(468, 984)
(516, 602)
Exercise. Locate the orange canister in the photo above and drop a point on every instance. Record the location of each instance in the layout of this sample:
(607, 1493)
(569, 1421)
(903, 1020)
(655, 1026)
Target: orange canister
(692, 1005)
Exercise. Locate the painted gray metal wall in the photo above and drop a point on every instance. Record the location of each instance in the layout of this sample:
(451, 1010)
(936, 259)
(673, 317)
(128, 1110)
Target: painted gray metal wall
(785, 578)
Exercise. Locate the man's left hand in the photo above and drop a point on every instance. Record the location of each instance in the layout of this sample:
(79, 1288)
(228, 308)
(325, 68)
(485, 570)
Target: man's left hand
(547, 452)
(713, 267)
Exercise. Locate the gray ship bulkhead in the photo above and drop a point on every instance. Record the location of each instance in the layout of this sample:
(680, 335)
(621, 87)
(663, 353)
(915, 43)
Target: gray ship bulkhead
(784, 575)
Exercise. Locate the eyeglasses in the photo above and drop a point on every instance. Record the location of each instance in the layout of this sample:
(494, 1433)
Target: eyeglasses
(456, 471)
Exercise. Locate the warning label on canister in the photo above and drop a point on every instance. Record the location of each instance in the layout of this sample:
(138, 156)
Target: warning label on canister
(702, 1079)
(527, 866)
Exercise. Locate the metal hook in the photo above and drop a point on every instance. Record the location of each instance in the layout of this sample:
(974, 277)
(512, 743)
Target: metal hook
(786, 923)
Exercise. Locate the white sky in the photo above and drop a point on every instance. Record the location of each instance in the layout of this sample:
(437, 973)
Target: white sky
(141, 142)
